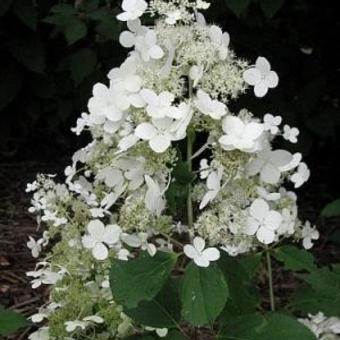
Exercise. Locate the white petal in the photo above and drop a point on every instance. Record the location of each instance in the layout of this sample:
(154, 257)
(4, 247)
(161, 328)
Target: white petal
(151, 249)
(260, 89)
(255, 166)
(88, 241)
(213, 181)
(125, 16)
(280, 158)
(201, 261)
(100, 252)
(215, 34)
(132, 240)
(252, 76)
(133, 83)
(112, 234)
(149, 96)
(96, 229)
(199, 243)
(190, 251)
(145, 131)
(233, 125)
(160, 143)
(272, 79)
(265, 235)
(253, 130)
(270, 174)
(211, 254)
(127, 39)
(156, 52)
(127, 142)
(263, 65)
(129, 5)
(94, 318)
(273, 220)
(259, 209)
(252, 225)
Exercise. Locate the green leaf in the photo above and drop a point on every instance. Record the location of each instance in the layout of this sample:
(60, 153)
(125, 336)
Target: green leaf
(82, 63)
(271, 7)
(89, 5)
(307, 300)
(164, 311)
(26, 12)
(256, 327)
(108, 29)
(204, 294)
(283, 327)
(295, 259)
(10, 321)
(324, 281)
(140, 279)
(250, 264)
(64, 9)
(242, 327)
(29, 51)
(243, 297)
(332, 209)
(335, 236)
(75, 30)
(4, 6)
(238, 6)
(71, 26)
(10, 84)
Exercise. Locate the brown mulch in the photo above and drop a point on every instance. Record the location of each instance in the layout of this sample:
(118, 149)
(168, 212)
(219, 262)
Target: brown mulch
(16, 224)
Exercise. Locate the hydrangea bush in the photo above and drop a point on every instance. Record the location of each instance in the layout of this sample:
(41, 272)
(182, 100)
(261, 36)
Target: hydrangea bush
(164, 219)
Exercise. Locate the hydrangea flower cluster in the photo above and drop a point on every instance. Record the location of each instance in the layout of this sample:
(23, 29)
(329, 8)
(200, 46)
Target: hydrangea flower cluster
(324, 328)
(177, 81)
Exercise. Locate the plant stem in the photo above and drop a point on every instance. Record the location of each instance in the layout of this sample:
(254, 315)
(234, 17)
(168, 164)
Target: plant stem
(270, 281)
(190, 141)
(190, 213)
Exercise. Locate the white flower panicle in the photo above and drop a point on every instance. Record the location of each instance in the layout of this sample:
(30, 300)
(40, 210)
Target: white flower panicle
(178, 81)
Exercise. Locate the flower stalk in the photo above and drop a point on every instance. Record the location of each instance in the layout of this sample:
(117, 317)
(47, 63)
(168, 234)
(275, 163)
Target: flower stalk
(270, 281)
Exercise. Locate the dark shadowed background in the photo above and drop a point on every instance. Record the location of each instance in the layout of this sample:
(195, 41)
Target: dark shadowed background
(52, 52)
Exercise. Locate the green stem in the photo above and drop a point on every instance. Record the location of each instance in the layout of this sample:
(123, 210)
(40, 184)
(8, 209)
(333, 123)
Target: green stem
(270, 281)
(190, 140)
(190, 213)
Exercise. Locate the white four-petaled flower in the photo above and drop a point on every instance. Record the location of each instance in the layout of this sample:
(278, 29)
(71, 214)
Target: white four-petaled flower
(133, 9)
(157, 133)
(271, 123)
(290, 133)
(309, 234)
(210, 107)
(100, 237)
(268, 164)
(263, 221)
(301, 176)
(147, 46)
(160, 106)
(240, 135)
(202, 257)
(261, 77)
(34, 246)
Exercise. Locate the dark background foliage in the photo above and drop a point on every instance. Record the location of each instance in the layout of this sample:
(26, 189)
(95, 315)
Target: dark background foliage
(53, 52)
